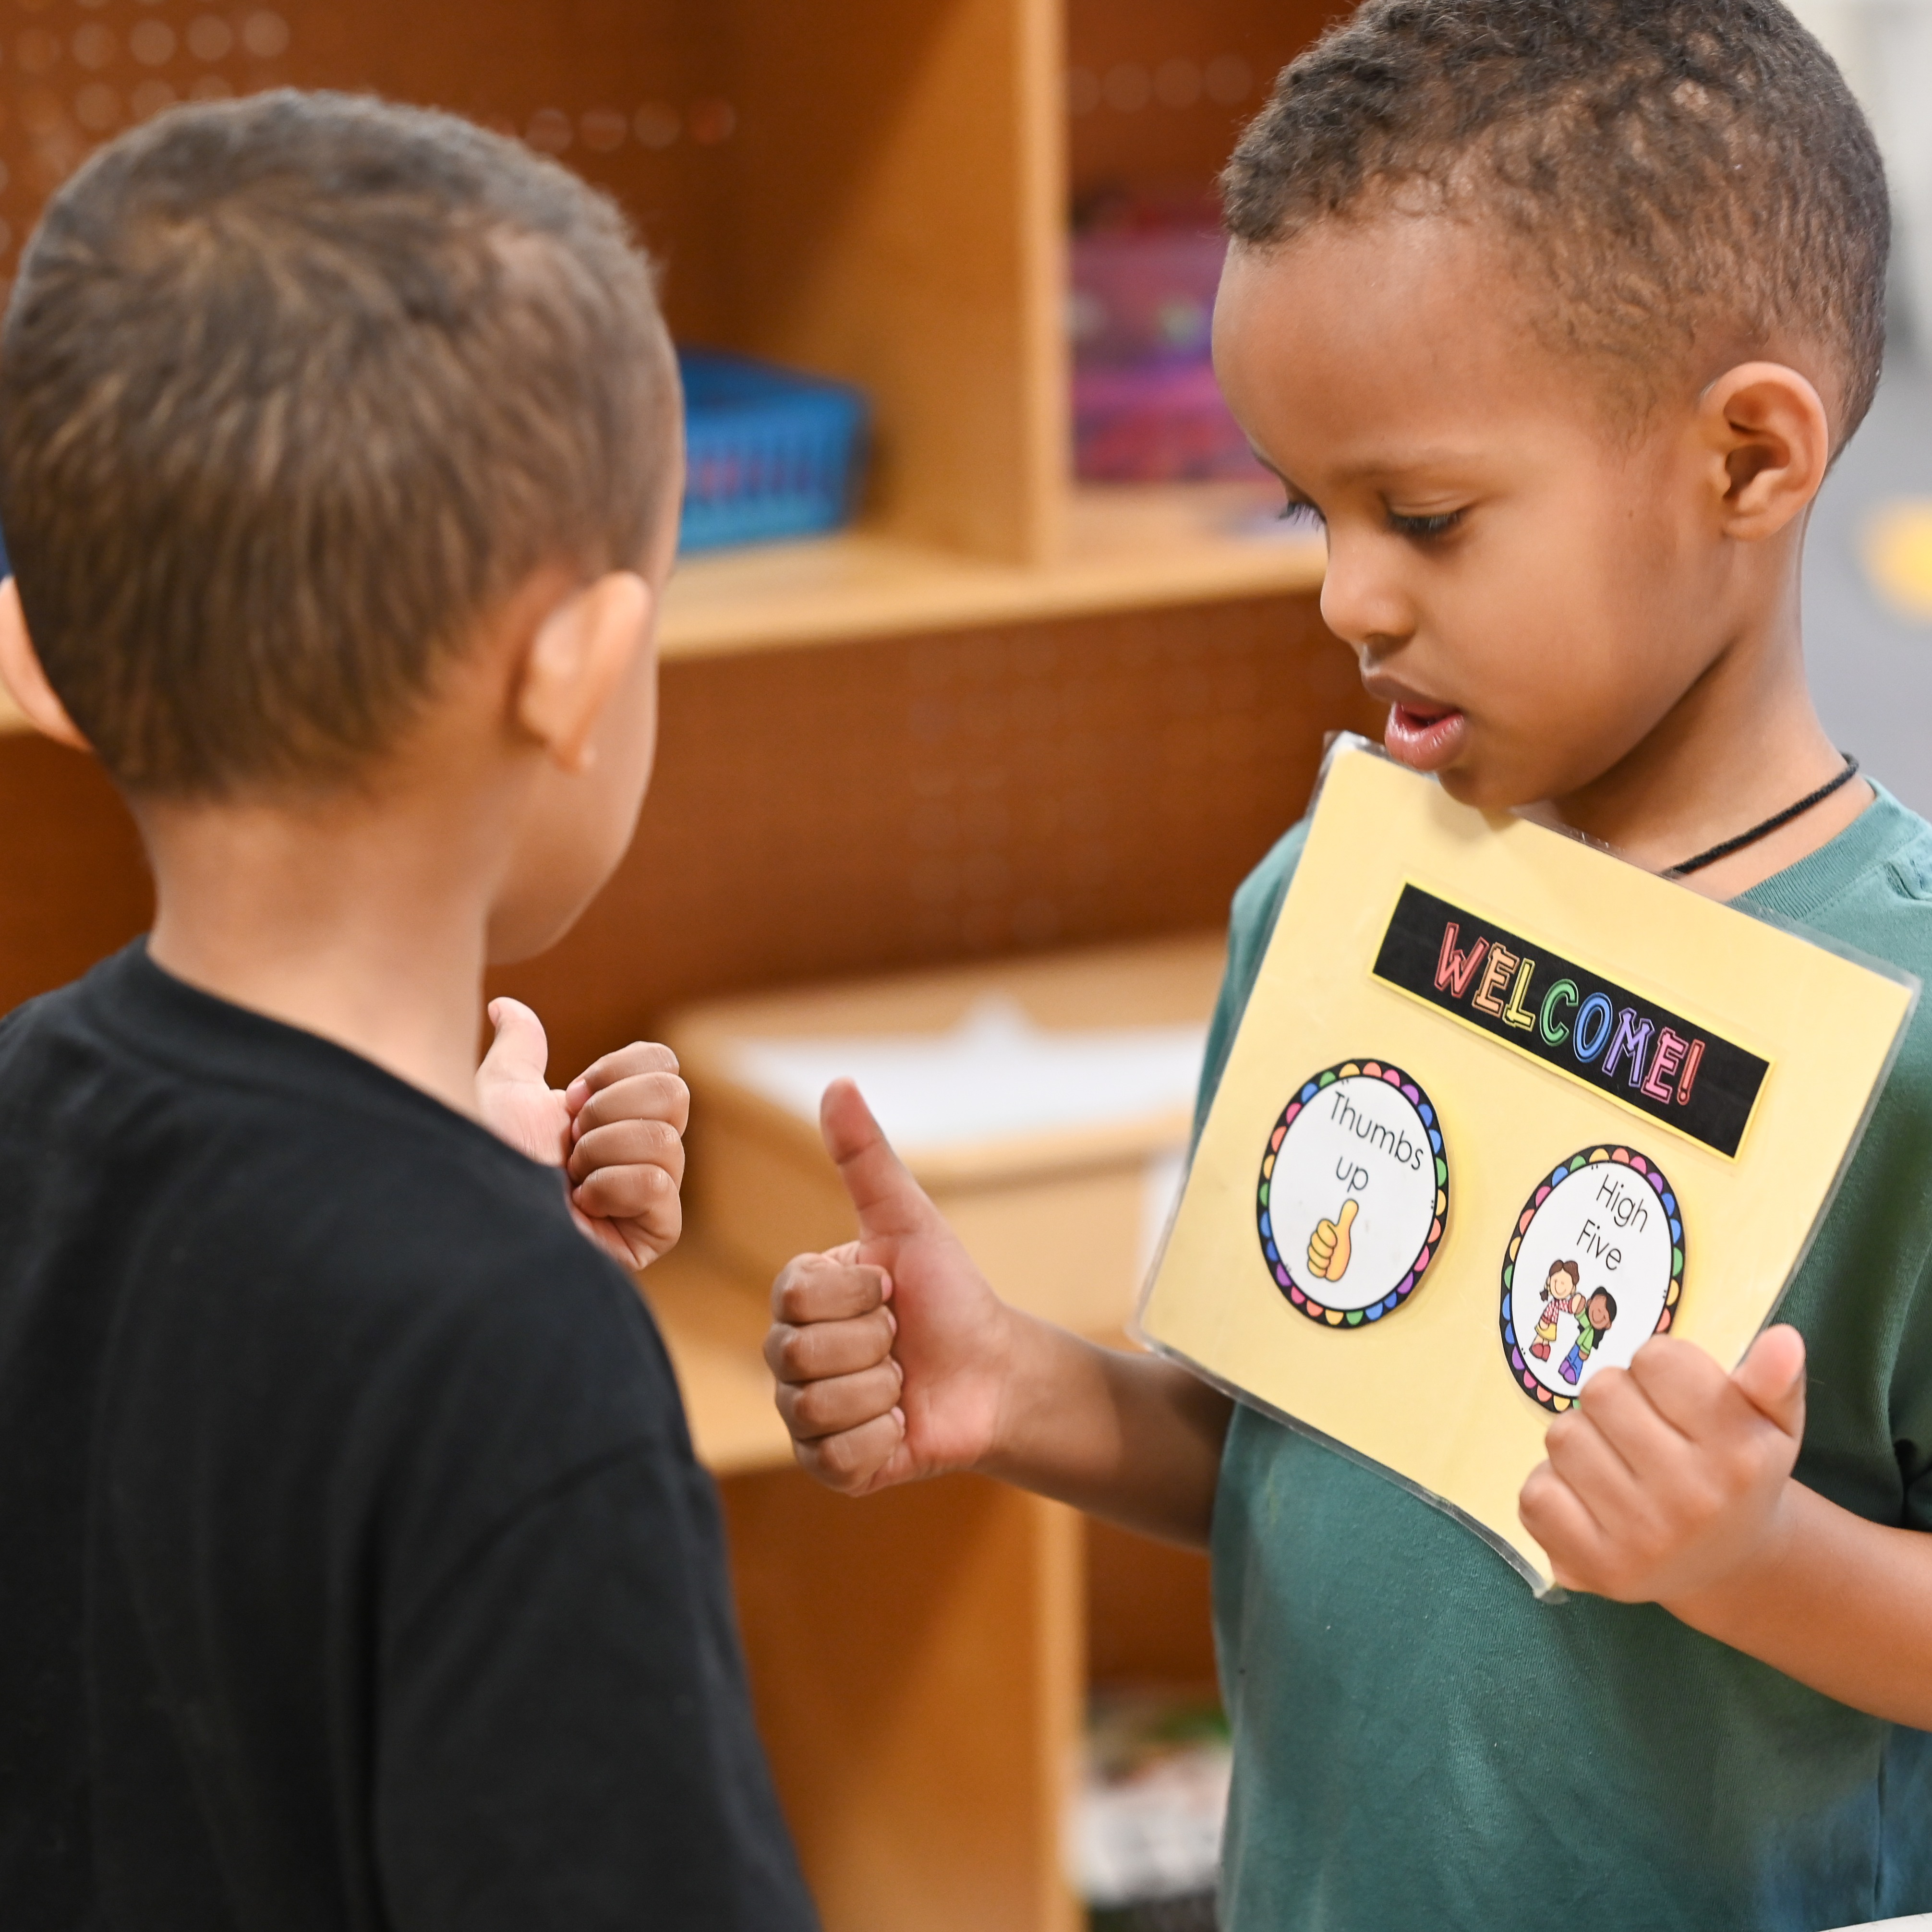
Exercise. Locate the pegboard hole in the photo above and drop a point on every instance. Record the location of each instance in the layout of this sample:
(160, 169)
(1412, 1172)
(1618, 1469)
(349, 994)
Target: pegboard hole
(712, 121)
(148, 99)
(210, 38)
(549, 131)
(657, 124)
(97, 108)
(603, 129)
(94, 46)
(152, 42)
(265, 35)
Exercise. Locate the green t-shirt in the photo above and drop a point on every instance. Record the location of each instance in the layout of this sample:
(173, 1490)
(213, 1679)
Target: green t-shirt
(1420, 1745)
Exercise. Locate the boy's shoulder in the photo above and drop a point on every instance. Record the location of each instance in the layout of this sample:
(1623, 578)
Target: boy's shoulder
(1876, 875)
(263, 1216)
(1870, 892)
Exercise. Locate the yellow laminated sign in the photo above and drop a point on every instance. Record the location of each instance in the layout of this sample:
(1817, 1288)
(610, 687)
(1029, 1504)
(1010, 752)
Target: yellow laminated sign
(1502, 1107)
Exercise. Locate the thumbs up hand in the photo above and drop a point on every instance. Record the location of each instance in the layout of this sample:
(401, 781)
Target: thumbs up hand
(1328, 1245)
(890, 1352)
(617, 1130)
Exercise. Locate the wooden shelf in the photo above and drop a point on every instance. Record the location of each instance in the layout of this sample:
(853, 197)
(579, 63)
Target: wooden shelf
(1129, 547)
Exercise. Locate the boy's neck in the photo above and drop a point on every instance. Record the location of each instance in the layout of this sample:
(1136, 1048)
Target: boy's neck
(1742, 745)
(366, 925)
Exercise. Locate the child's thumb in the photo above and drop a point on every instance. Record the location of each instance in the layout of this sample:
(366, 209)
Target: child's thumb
(519, 1054)
(888, 1200)
(1771, 1378)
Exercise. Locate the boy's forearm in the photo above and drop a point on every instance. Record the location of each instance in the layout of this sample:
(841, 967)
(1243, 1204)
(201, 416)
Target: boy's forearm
(1836, 1601)
(1128, 1437)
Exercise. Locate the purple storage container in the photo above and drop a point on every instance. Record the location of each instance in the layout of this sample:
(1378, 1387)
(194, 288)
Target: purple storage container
(1146, 407)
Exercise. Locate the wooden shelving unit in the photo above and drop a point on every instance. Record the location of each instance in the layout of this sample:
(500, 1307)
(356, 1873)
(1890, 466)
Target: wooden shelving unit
(1003, 713)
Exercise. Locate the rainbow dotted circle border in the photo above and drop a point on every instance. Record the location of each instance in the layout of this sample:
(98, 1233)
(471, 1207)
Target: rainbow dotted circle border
(1638, 1164)
(1298, 1297)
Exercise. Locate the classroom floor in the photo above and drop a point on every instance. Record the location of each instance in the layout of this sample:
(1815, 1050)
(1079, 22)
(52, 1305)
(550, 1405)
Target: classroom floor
(1871, 652)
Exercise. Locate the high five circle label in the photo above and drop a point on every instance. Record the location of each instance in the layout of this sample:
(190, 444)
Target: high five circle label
(1354, 1193)
(1593, 1268)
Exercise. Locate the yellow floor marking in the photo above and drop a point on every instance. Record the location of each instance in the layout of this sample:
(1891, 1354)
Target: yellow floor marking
(1897, 550)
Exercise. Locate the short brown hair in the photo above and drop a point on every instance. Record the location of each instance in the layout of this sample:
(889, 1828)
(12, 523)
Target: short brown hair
(1666, 165)
(293, 391)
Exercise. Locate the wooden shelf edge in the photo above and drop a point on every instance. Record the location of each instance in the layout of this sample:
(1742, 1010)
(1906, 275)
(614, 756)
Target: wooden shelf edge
(1129, 547)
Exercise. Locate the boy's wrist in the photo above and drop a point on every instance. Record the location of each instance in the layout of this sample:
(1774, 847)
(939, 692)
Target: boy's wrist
(1729, 1599)
(1016, 1369)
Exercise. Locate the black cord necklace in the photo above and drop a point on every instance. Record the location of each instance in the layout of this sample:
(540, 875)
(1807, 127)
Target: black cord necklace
(1766, 827)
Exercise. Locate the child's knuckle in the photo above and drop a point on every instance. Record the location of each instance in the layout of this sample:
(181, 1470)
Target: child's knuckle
(812, 1406)
(795, 1292)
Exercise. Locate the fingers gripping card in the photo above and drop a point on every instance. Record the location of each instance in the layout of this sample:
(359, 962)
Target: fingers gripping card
(1500, 1108)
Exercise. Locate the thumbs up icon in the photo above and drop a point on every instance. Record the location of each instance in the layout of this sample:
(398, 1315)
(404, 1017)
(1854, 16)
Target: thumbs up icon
(1328, 1245)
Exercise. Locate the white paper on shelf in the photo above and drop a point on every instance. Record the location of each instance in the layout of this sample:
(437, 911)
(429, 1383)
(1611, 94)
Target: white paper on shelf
(995, 1075)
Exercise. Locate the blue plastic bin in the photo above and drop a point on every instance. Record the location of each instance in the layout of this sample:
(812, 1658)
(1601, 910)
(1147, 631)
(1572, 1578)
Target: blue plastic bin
(771, 454)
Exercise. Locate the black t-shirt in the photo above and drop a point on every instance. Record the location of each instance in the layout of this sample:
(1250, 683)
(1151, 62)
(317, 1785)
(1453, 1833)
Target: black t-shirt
(354, 1569)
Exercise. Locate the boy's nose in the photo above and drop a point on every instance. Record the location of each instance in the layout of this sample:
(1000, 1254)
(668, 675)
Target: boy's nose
(1362, 603)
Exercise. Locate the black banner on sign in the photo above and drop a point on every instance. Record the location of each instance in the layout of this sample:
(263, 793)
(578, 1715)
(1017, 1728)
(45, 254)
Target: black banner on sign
(1614, 1040)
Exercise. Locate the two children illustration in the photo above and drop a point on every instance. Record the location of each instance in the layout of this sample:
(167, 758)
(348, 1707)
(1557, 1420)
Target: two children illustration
(1592, 1314)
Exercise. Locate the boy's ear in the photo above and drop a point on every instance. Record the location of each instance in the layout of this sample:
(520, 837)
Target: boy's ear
(577, 657)
(1766, 426)
(26, 683)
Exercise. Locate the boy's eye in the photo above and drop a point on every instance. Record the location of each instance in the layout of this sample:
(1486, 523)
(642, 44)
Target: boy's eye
(1299, 510)
(1438, 525)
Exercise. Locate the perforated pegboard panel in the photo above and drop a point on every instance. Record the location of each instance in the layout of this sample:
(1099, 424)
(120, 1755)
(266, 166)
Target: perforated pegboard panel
(72, 73)
(638, 96)
(1157, 90)
(818, 814)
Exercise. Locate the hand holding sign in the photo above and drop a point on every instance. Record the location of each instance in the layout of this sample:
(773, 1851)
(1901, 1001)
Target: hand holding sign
(1328, 1245)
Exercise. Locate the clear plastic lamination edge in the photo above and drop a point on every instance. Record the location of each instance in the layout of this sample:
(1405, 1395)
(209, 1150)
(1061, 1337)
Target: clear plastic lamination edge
(1338, 744)
(1546, 1591)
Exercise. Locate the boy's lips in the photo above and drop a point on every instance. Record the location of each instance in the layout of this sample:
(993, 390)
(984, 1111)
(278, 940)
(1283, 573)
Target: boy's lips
(1423, 736)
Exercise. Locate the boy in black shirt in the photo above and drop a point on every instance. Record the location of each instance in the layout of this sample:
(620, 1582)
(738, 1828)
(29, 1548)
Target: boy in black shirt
(357, 1570)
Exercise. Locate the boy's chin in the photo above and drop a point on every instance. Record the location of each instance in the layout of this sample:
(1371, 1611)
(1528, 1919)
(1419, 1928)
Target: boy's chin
(1489, 777)
(519, 931)
(1483, 790)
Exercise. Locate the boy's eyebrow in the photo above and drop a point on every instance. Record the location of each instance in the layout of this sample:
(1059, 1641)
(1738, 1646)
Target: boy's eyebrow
(1375, 469)
(1254, 451)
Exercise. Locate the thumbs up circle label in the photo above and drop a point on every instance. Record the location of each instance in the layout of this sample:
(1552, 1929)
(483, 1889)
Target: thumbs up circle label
(1354, 1194)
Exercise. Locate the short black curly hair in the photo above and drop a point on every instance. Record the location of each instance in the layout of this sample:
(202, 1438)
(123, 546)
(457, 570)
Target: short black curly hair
(1675, 171)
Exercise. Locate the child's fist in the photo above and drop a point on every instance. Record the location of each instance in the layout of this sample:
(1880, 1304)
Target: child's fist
(617, 1130)
(872, 1394)
(1669, 1475)
(629, 1112)
(830, 1352)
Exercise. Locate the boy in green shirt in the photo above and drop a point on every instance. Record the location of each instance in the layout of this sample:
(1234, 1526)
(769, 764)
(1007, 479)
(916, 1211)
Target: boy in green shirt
(1554, 314)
